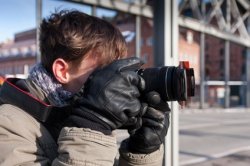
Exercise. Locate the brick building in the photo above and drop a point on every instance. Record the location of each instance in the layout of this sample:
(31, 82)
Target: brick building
(126, 24)
(19, 55)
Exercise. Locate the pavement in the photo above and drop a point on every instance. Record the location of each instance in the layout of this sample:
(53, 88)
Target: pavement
(236, 156)
(237, 159)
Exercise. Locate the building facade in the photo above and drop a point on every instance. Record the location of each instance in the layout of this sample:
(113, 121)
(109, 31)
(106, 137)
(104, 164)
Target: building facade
(19, 55)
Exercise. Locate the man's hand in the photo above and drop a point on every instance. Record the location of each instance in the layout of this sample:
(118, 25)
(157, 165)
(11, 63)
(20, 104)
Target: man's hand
(155, 123)
(110, 97)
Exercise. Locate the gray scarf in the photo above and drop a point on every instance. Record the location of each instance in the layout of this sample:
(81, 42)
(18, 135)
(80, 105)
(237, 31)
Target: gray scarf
(52, 88)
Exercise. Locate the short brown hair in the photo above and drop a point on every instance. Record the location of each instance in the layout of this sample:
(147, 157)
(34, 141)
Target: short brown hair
(70, 35)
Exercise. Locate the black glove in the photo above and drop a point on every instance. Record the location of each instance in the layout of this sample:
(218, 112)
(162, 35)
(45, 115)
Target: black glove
(109, 98)
(155, 123)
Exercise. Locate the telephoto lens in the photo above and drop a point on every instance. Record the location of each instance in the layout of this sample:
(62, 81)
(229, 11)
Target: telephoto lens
(172, 83)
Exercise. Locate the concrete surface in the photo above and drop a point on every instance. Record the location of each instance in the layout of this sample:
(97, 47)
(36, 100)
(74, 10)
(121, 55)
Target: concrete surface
(237, 159)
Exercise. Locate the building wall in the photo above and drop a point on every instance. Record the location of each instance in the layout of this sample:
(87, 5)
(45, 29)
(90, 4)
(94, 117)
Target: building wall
(16, 65)
(26, 35)
(19, 55)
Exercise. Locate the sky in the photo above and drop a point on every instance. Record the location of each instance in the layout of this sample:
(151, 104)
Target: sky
(20, 15)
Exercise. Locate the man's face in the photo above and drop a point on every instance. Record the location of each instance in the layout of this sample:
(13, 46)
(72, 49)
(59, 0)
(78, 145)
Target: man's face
(79, 75)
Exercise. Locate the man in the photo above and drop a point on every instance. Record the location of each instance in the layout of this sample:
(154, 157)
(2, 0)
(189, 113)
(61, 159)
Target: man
(66, 111)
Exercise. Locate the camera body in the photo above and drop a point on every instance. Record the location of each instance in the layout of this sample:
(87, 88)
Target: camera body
(172, 83)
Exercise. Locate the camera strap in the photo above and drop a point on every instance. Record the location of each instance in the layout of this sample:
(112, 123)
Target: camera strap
(12, 94)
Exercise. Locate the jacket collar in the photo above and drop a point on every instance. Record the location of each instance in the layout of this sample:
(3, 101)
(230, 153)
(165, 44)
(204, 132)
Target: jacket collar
(10, 93)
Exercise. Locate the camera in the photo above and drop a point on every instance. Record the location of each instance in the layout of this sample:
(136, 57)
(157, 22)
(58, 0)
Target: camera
(172, 83)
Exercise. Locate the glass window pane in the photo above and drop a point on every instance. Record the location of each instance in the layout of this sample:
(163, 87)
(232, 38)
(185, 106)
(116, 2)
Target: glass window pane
(237, 95)
(125, 23)
(214, 58)
(214, 96)
(237, 62)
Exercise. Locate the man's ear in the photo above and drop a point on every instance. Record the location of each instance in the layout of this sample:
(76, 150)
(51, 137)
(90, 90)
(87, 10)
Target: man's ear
(61, 70)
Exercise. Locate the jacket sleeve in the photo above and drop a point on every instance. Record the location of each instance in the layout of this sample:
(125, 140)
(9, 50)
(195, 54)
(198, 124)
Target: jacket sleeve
(24, 141)
(19, 139)
(85, 147)
(131, 159)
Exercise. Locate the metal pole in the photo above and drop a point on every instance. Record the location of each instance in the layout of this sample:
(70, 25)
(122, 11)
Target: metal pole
(202, 70)
(171, 59)
(167, 61)
(166, 53)
(227, 74)
(159, 52)
(93, 10)
(248, 68)
(38, 21)
(202, 61)
(227, 57)
(175, 62)
(159, 33)
(138, 36)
